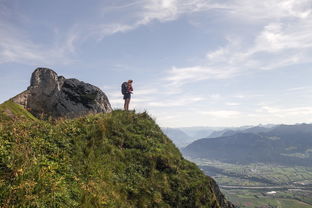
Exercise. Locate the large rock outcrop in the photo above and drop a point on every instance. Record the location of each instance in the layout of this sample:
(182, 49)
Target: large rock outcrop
(53, 95)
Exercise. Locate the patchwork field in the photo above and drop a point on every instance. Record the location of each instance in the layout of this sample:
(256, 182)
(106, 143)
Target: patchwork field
(258, 198)
(262, 185)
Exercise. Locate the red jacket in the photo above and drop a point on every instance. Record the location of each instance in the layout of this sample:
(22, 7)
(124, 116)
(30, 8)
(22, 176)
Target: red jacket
(130, 88)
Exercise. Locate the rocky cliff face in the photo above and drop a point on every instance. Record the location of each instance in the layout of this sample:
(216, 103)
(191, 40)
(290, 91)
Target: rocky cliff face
(53, 95)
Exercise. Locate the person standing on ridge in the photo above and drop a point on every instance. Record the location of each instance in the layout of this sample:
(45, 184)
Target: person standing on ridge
(126, 90)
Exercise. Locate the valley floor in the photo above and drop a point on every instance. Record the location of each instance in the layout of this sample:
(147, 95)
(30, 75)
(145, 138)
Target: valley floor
(262, 185)
(257, 198)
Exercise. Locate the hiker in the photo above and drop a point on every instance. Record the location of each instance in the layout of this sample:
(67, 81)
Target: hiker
(126, 90)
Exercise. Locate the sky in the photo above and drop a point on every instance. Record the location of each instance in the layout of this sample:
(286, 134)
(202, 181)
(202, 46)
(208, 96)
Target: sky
(193, 62)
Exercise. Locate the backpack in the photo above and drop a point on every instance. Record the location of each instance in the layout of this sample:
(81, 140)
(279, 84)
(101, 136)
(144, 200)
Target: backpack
(124, 88)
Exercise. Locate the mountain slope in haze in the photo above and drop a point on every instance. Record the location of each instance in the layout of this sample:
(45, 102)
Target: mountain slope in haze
(119, 159)
(179, 138)
(183, 136)
(284, 144)
(232, 131)
(199, 132)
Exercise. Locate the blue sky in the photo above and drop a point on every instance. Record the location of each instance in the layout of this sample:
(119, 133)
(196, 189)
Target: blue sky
(193, 62)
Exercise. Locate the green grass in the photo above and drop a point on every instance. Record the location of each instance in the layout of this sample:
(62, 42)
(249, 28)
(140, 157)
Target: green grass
(10, 110)
(120, 159)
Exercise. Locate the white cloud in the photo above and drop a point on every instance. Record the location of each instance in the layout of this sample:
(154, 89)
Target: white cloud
(178, 76)
(146, 91)
(275, 35)
(285, 39)
(168, 10)
(145, 12)
(270, 9)
(16, 47)
(287, 112)
(165, 10)
(222, 113)
(296, 89)
(162, 10)
(184, 101)
(232, 104)
(100, 31)
(279, 36)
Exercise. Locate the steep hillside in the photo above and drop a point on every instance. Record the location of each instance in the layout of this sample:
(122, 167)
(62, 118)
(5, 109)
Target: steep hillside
(119, 159)
(10, 110)
(284, 144)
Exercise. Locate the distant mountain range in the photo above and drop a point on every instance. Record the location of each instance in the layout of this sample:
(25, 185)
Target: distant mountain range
(243, 129)
(179, 137)
(184, 136)
(282, 144)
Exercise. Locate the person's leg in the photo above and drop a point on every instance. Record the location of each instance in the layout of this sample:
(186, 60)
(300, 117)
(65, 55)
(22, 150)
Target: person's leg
(127, 104)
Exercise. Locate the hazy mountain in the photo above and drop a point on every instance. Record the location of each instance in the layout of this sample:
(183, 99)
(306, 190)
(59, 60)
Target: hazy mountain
(185, 135)
(224, 132)
(228, 131)
(179, 137)
(200, 132)
(243, 129)
(283, 144)
(257, 129)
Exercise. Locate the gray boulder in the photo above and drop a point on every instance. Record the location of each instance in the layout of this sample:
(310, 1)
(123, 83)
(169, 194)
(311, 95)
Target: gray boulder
(53, 95)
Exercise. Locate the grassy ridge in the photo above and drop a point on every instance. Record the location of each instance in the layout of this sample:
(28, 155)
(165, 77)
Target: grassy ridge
(121, 159)
(9, 110)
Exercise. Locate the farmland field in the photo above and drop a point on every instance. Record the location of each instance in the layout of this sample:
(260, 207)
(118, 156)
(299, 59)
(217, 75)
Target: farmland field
(262, 185)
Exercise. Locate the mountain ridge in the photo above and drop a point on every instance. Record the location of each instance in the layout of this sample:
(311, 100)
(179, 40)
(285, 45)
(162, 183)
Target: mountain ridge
(283, 144)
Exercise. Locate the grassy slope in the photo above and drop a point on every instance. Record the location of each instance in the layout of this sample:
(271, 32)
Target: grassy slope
(9, 110)
(119, 160)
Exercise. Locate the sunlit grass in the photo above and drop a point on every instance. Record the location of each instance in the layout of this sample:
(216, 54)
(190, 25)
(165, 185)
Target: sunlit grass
(120, 159)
